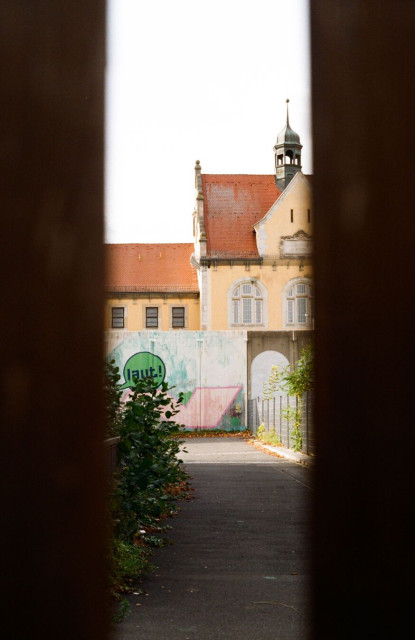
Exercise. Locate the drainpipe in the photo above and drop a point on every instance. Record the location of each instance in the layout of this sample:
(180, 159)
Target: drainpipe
(200, 344)
(293, 358)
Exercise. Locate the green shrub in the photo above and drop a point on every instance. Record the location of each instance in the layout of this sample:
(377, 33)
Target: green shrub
(149, 477)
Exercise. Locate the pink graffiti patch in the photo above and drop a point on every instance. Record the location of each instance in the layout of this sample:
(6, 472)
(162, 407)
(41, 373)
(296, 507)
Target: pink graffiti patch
(207, 406)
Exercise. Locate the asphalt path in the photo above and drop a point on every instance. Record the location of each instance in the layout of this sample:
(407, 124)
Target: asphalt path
(238, 562)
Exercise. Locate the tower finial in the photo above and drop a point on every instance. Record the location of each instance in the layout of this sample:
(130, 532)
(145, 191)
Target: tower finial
(288, 118)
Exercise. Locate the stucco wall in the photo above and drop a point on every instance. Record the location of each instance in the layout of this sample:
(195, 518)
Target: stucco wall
(135, 311)
(286, 217)
(224, 277)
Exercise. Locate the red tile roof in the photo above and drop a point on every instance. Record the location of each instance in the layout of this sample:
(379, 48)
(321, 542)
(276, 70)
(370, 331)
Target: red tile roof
(150, 267)
(232, 205)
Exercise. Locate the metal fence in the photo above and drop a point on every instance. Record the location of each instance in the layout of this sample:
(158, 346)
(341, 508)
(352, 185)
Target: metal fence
(279, 415)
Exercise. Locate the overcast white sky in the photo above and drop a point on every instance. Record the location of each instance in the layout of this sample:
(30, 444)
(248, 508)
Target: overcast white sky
(196, 80)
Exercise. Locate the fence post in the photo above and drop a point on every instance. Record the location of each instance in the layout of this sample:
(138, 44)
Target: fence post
(273, 411)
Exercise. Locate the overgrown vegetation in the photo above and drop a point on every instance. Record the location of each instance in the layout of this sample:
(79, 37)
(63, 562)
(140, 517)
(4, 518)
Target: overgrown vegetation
(149, 477)
(293, 383)
(214, 433)
(268, 437)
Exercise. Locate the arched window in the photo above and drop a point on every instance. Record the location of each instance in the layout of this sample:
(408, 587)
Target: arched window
(246, 306)
(298, 304)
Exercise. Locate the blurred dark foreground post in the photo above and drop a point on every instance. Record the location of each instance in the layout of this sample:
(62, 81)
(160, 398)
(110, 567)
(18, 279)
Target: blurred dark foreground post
(364, 144)
(52, 467)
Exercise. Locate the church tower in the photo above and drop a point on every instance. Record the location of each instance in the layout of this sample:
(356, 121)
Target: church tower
(287, 155)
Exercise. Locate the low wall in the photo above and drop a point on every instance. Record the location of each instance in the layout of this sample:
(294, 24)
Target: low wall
(210, 368)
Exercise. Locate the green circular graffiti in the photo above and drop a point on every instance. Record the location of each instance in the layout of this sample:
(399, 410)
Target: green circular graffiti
(143, 365)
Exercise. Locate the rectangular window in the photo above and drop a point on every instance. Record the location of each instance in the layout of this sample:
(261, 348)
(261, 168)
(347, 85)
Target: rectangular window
(152, 317)
(292, 215)
(117, 319)
(290, 311)
(246, 289)
(246, 311)
(178, 317)
(301, 310)
(301, 290)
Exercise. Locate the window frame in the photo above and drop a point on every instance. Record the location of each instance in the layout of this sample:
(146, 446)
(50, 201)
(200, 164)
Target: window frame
(182, 317)
(299, 289)
(147, 317)
(247, 300)
(120, 317)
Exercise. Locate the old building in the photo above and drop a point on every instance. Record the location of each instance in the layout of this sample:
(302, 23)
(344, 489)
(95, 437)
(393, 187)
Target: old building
(214, 316)
(253, 245)
(251, 264)
(151, 286)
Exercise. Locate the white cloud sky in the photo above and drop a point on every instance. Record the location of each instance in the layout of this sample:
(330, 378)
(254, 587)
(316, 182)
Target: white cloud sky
(196, 79)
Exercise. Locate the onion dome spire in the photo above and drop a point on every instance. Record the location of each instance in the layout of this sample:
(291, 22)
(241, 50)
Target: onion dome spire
(287, 151)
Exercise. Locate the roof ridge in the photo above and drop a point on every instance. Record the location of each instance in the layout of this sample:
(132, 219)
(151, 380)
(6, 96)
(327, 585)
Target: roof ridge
(259, 175)
(149, 244)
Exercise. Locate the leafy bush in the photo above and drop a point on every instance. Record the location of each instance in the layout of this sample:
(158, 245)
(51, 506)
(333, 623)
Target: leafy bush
(301, 379)
(149, 477)
(147, 458)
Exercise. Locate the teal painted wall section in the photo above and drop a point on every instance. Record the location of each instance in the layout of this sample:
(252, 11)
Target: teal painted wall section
(209, 367)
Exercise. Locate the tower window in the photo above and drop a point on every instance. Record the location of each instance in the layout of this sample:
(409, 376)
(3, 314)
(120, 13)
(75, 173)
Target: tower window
(289, 157)
(292, 215)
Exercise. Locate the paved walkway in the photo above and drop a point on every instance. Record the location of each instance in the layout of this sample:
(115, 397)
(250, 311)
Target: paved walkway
(238, 563)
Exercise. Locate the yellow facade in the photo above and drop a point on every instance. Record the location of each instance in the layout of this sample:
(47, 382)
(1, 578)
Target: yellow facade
(291, 213)
(136, 317)
(221, 280)
(270, 291)
(279, 281)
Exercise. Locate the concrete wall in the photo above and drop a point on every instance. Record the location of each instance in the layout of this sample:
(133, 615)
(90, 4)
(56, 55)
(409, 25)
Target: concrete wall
(218, 371)
(210, 368)
(286, 347)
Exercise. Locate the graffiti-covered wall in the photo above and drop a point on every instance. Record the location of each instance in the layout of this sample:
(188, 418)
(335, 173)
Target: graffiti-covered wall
(209, 367)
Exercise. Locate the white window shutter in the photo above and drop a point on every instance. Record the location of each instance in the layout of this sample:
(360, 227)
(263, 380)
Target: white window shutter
(290, 311)
(235, 311)
(247, 311)
(258, 311)
(301, 310)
